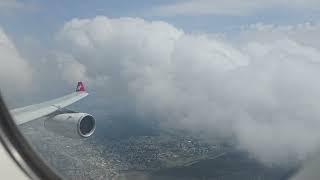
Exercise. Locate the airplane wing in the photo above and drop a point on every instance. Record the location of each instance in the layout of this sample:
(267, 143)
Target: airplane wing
(68, 124)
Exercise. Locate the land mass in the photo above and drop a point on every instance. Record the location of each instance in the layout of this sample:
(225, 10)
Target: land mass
(167, 154)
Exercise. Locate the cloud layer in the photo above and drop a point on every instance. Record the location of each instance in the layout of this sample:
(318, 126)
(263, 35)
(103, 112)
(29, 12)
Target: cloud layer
(7, 6)
(230, 7)
(15, 72)
(260, 88)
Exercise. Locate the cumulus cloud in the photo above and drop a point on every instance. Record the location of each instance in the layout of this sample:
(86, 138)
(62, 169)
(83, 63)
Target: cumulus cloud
(36, 75)
(15, 72)
(260, 88)
(230, 7)
(71, 70)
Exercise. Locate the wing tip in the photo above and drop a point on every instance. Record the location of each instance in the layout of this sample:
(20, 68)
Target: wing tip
(80, 87)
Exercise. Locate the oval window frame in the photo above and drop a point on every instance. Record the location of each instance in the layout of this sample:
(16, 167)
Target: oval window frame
(20, 150)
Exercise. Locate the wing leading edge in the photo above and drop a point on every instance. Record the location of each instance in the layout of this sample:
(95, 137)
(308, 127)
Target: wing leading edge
(32, 112)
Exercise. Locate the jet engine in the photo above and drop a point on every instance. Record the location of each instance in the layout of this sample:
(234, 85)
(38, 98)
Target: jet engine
(75, 125)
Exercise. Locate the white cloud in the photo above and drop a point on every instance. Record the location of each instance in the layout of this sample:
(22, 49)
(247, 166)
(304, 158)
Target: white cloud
(15, 72)
(36, 74)
(71, 70)
(230, 7)
(7, 6)
(263, 88)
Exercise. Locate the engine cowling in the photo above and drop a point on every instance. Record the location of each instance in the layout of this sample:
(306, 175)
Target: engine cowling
(75, 125)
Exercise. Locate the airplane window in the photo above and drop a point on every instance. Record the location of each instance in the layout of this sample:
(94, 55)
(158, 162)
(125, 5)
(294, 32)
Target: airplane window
(20, 151)
(177, 90)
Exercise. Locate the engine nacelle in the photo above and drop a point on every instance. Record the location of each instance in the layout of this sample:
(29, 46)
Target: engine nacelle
(75, 125)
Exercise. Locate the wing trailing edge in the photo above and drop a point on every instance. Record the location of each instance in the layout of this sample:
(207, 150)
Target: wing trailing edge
(32, 112)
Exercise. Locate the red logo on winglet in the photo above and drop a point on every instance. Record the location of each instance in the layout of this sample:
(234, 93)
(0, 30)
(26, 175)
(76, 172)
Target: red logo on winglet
(80, 87)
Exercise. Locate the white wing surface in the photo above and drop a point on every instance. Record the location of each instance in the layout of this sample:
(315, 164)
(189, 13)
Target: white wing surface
(32, 112)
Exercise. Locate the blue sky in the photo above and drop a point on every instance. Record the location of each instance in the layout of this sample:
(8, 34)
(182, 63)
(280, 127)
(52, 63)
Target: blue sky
(49, 16)
(42, 19)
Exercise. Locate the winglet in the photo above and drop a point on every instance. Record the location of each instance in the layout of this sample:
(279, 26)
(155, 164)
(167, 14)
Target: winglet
(80, 87)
